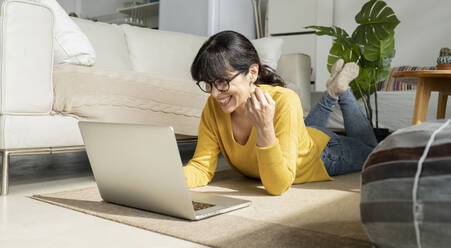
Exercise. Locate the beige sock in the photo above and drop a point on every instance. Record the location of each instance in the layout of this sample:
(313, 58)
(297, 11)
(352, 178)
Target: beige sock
(340, 82)
(336, 68)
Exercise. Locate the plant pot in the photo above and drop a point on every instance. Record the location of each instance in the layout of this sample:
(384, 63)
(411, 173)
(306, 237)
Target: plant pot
(381, 133)
(443, 66)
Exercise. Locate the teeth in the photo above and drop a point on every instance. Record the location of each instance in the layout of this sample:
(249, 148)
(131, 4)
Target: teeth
(225, 100)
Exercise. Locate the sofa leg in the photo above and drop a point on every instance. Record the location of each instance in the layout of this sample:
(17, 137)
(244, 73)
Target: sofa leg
(5, 172)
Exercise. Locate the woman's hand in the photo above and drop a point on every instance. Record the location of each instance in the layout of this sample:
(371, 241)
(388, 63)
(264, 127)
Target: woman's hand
(259, 109)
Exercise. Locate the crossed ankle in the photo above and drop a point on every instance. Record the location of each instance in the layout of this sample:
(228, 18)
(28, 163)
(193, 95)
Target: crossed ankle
(332, 94)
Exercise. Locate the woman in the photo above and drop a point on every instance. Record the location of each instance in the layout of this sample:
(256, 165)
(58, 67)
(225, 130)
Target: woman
(259, 127)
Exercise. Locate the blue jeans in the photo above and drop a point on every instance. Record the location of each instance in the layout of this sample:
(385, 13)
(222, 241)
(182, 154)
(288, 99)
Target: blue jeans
(343, 154)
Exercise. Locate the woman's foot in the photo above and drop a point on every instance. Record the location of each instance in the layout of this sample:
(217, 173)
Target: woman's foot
(341, 77)
(336, 68)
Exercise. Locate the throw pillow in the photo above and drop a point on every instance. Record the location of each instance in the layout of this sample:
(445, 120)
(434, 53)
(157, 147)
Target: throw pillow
(269, 50)
(70, 44)
(109, 43)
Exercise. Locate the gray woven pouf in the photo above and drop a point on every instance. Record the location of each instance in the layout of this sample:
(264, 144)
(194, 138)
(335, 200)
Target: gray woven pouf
(386, 195)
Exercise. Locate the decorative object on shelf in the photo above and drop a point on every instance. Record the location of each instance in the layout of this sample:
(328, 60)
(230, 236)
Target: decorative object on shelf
(115, 18)
(73, 14)
(137, 13)
(445, 51)
(444, 59)
(371, 46)
(141, 14)
(133, 3)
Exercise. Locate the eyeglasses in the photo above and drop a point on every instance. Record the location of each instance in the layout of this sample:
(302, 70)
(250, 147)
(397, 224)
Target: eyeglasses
(221, 85)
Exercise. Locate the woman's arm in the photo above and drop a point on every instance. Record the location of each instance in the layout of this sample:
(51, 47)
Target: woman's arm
(200, 169)
(276, 138)
(260, 111)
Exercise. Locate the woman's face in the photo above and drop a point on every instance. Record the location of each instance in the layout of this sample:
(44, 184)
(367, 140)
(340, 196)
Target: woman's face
(240, 89)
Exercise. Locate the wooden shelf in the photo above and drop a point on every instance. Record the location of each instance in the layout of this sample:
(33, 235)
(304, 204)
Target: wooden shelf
(145, 10)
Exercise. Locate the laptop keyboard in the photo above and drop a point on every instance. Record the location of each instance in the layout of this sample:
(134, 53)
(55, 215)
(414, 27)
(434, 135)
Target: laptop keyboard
(200, 205)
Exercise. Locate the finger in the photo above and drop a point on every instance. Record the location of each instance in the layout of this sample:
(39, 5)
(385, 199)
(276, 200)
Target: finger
(253, 87)
(249, 100)
(249, 104)
(269, 99)
(261, 97)
(255, 102)
(246, 108)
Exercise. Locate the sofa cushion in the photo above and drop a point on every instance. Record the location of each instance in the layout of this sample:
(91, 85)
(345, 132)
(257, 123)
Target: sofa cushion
(109, 43)
(162, 52)
(269, 50)
(70, 44)
(39, 131)
(171, 54)
(387, 185)
(126, 96)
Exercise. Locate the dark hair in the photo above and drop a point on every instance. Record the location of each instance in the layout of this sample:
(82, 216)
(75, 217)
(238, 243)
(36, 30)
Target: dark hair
(230, 51)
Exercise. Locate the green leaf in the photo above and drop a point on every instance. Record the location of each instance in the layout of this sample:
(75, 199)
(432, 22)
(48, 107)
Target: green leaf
(363, 82)
(340, 34)
(340, 51)
(379, 50)
(386, 62)
(377, 21)
(330, 31)
(387, 46)
(382, 74)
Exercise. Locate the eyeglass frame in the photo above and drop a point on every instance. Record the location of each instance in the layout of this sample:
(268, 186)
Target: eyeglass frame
(214, 83)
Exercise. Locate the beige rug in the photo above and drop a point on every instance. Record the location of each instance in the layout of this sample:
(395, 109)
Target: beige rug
(324, 214)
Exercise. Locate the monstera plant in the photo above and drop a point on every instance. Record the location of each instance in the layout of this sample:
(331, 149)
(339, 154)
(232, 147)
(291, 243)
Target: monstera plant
(371, 46)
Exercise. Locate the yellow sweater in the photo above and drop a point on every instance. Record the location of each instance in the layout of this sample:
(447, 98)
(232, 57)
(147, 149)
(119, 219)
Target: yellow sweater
(294, 158)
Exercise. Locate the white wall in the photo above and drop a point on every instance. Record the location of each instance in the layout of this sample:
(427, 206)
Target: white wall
(323, 44)
(71, 5)
(193, 21)
(288, 16)
(207, 17)
(237, 15)
(423, 30)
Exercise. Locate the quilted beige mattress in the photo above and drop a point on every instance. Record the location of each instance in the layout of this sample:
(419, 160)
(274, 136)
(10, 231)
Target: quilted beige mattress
(128, 97)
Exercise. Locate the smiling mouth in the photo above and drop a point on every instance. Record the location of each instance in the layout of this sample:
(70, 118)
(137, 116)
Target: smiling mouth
(225, 101)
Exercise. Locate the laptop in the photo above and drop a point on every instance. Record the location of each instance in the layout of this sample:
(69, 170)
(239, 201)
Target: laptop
(139, 166)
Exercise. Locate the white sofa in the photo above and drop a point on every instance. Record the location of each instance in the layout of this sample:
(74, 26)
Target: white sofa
(29, 123)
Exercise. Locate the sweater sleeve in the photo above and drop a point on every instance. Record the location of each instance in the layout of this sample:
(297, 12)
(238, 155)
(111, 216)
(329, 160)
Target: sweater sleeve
(277, 163)
(200, 169)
